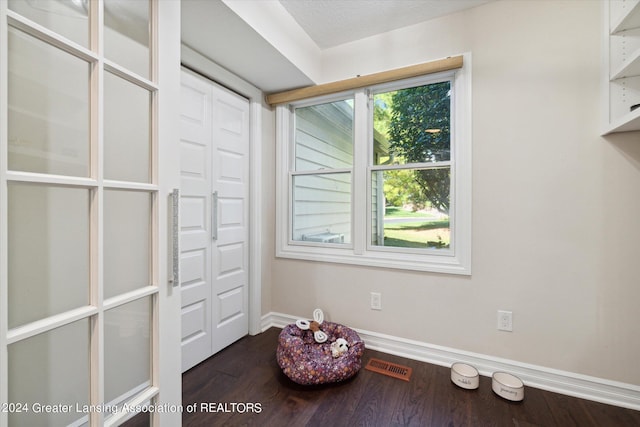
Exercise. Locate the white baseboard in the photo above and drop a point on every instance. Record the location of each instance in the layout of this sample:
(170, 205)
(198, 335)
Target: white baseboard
(568, 383)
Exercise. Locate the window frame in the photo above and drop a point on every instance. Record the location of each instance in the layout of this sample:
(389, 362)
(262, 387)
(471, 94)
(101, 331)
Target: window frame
(456, 259)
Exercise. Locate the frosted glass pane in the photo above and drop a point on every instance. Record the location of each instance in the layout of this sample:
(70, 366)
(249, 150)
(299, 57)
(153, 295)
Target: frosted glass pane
(50, 369)
(66, 17)
(127, 113)
(127, 350)
(48, 108)
(127, 254)
(126, 34)
(48, 251)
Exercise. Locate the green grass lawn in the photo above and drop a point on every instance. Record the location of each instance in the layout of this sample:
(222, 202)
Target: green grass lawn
(395, 212)
(419, 234)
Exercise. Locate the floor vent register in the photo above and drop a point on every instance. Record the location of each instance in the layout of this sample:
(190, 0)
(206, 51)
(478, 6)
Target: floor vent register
(390, 369)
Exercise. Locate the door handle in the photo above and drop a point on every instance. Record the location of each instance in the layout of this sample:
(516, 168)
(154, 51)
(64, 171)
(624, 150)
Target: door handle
(214, 215)
(174, 277)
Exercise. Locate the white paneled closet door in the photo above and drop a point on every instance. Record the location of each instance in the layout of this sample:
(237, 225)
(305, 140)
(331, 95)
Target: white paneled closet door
(87, 135)
(214, 226)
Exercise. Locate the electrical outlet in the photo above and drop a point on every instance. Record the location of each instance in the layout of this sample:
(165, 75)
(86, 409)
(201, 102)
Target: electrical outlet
(376, 301)
(505, 321)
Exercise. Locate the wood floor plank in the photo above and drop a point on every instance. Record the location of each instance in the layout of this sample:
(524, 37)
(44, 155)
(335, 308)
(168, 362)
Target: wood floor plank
(417, 398)
(247, 372)
(340, 401)
(382, 393)
(567, 411)
(605, 415)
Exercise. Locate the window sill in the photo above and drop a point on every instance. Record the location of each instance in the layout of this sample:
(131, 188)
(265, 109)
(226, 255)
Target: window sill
(448, 263)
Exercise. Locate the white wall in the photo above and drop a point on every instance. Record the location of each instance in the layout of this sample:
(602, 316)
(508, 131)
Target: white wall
(555, 206)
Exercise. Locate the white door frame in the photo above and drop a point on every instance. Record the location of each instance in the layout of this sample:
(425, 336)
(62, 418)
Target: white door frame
(204, 66)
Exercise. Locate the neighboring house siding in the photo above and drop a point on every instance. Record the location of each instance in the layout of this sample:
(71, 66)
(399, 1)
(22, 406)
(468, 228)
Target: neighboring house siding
(324, 140)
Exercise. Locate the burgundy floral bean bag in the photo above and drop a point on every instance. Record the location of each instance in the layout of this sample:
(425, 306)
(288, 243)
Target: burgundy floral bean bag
(306, 362)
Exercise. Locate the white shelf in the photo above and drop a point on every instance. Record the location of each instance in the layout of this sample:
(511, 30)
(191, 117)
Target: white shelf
(631, 68)
(629, 20)
(621, 65)
(627, 123)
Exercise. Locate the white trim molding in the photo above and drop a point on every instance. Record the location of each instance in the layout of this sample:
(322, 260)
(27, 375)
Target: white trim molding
(554, 380)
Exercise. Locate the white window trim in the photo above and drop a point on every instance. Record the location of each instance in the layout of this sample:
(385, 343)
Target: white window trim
(457, 260)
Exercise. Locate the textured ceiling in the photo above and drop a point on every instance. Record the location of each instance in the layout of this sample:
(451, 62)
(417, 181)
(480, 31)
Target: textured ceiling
(333, 22)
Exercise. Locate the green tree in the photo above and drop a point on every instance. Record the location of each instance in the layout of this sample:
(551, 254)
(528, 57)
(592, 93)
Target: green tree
(419, 131)
(382, 112)
(400, 188)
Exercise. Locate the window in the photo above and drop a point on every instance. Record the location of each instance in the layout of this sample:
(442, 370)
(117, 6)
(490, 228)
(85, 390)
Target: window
(321, 175)
(379, 176)
(411, 167)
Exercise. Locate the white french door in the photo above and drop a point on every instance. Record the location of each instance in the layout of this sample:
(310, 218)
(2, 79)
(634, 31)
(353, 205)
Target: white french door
(214, 234)
(86, 131)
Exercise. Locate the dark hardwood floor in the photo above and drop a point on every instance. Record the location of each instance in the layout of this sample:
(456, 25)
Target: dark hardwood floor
(244, 386)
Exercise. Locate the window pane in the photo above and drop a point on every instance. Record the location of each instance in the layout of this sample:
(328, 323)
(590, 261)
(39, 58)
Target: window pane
(50, 369)
(126, 34)
(127, 350)
(410, 208)
(48, 251)
(322, 208)
(127, 148)
(127, 239)
(65, 17)
(412, 125)
(324, 136)
(48, 108)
